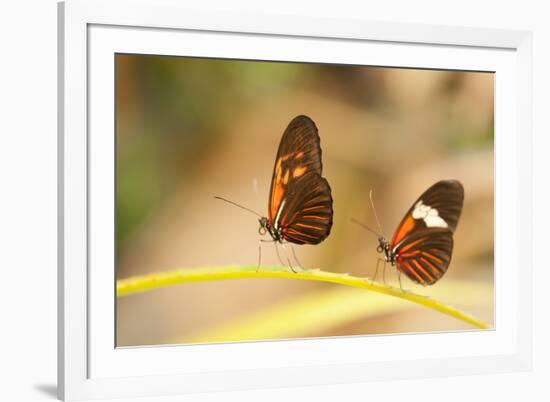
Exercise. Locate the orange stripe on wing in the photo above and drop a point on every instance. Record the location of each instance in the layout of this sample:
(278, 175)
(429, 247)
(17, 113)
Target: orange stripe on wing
(405, 228)
(431, 266)
(316, 200)
(421, 269)
(322, 218)
(433, 257)
(277, 195)
(407, 265)
(292, 231)
(291, 237)
(278, 185)
(409, 254)
(313, 208)
(303, 225)
(411, 245)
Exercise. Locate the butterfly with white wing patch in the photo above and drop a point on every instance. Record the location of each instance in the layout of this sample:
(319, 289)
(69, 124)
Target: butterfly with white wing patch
(422, 245)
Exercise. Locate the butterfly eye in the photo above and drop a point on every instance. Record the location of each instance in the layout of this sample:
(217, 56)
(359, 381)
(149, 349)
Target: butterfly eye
(379, 248)
(262, 230)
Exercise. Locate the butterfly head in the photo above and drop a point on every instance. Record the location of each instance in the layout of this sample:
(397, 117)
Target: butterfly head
(382, 244)
(385, 248)
(264, 225)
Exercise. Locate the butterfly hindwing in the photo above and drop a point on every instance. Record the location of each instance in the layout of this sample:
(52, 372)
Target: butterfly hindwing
(425, 255)
(300, 203)
(307, 217)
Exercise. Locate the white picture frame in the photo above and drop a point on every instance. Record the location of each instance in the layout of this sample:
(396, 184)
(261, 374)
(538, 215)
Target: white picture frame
(90, 32)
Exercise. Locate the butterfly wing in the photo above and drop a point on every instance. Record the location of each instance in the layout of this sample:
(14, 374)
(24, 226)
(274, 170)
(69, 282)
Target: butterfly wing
(425, 255)
(439, 206)
(300, 204)
(299, 154)
(423, 241)
(306, 216)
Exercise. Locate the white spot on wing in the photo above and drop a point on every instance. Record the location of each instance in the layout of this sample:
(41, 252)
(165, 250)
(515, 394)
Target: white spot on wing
(429, 215)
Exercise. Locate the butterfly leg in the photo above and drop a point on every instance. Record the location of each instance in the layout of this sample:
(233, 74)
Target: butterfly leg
(255, 186)
(399, 277)
(296, 258)
(376, 270)
(288, 258)
(401, 286)
(278, 255)
(384, 272)
(259, 255)
(260, 252)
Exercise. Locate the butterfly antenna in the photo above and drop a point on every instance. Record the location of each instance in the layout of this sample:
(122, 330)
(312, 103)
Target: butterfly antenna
(237, 205)
(256, 192)
(366, 227)
(374, 210)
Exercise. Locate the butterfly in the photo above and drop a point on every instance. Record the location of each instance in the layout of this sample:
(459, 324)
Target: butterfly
(422, 245)
(300, 201)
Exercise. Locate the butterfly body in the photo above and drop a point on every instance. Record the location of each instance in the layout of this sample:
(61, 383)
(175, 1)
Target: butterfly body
(422, 244)
(384, 247)
(267, 227)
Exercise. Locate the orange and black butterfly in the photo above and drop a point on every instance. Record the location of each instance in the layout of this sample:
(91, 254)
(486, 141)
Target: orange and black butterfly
(300, 200)
(422, 245)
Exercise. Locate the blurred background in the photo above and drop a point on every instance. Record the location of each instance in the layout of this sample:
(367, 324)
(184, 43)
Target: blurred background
(188, 129)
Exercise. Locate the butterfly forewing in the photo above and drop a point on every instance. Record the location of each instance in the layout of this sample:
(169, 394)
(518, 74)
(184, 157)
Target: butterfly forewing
(300, 203)
(299, 153)
(438, 207)
(423, 241)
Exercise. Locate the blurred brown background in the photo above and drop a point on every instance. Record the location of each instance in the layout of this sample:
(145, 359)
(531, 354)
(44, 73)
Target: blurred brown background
(188, 129)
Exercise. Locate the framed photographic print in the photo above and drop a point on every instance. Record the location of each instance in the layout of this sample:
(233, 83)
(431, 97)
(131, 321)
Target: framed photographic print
(258, 201)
